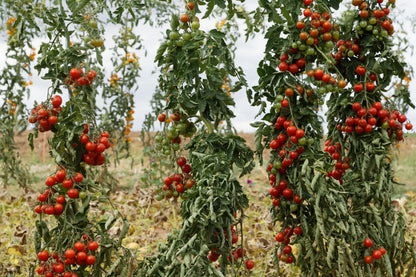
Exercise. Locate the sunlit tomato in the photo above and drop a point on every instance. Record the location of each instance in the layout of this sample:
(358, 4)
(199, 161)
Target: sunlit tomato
(368, 242)
(43, 256)
(93, 245)
(56, 100)
(368, 259)
(73, 193)
(377, 254)
(74, 73)
(184, 18)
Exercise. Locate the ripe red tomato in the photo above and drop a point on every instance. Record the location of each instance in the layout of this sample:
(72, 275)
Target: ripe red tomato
(284, 103)
(90, 260)
(284, 57)
(38, 209)
(68, 183)
(180, 188)
(360, 70)
(368, 259)
(383, 251)
(42, 197)
(184, 18)
(60, 175)
(186, 168)
(249, 264)
(78, 177)
(307, 12)
(287, 249)
(358, 87)
(90, 146)
(318, 74)
(79, 246)
(377, 254)
(297, 230)
(288, 193)
(370, 86)
(100, 148)
(280, 237)
(73, 193)
(84, 139)
(70, 253)
(58, 209)
(283, 66)
(74, 73)
(378, 105)
(161, 117)
(372, 76)
(93, 245)
(402, 118)
(43, 256)
(274, 144)
(289, 92)
(81, 256)
(59, 268)
(300, 25)
(50, 181)
(291, 130)
(408, 126)
(91, 74)
(368, 242)
(56, 101)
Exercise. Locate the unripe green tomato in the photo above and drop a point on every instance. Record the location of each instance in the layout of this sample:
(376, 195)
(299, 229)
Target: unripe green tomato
(86, 39)
(180, 43)
(335, 35)
(296, 44)
(176, 146)
(385, 125)
(310, 141)
(81, 29)
(293, 207)
(279, 98)
(175, 194)
(277, 106)
(350, 53)
(384, 33)
(173, 35)
(310, 41)
(195, 25)
(302, 47)
(159, 197)
(329, 44)
(283, 203)
(322, 90)
(82, 195)
(375, 32)
(277, 164)
(329, 87)
(363, 23)
(369, 28)
(92, 24)
(273, 170)
(186, 36)
(372, 20)
(302, 141)
(167, 152)
(358, 28)
(158, 138)
(310, 51)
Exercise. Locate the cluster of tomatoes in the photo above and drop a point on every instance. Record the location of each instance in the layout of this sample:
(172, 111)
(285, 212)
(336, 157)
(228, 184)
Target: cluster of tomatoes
(234, 255)
(341, 165)
(346, 48)
(46, 117)
(55, 206)
(375, 21)
(94, 154)
(377, 254)
(79, 256)
(284, 238)
(176, 184)
(76, 76)
(180, 126)
(328, 82)
(375, 116)
(315, 30)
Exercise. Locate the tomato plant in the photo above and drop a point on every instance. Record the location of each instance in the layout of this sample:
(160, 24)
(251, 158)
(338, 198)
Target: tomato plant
(345, 187)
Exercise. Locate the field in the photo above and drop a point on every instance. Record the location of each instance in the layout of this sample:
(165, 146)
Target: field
(151, 220)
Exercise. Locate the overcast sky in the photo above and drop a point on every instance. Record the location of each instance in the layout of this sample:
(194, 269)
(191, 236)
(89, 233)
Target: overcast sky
(248, 56)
